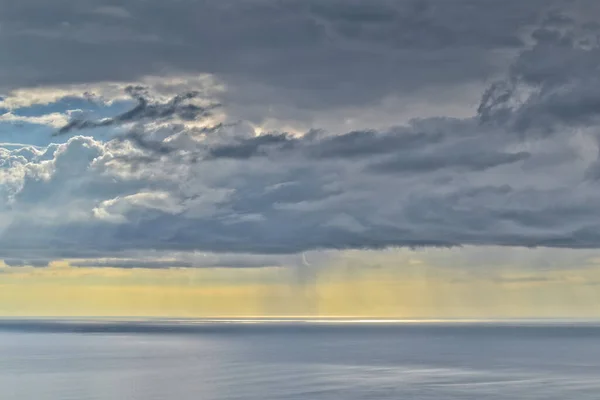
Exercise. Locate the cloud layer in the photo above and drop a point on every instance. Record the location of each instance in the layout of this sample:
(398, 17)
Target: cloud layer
(174, 177)
(299, 59)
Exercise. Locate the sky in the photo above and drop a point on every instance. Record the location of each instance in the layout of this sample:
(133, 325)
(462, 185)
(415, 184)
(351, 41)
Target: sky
(385, 158)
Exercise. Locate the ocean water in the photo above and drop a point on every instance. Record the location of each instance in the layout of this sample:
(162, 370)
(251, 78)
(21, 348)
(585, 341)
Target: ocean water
(51, 360)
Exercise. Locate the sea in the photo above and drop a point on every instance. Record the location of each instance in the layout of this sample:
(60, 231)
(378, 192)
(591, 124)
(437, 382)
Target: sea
(300, 360)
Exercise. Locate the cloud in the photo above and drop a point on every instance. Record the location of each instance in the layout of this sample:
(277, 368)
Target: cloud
(462, 162)
(552, 85)
(26, 263)
(196, 260)
(125, 263)
(112, 11)
(159, 259)
(108, 92)
(316, 144)
(179, 106)
(251, 147)
(411, 148)
(292, 58)
(54, 120)
(518, 170)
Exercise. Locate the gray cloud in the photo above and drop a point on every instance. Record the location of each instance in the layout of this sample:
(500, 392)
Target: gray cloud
(418, 148)
(467, 161)
(251, 147)
(141, 264)
(515, 172)
(145, 110)
(196, 261)
(355, 144)
(291, 57)
(24, 263)
(552, 85)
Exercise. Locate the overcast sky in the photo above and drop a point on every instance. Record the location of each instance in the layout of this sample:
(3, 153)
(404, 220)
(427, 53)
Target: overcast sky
(248, 133)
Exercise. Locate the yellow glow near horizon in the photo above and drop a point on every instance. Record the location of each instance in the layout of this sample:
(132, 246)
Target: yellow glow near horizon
(344, 289)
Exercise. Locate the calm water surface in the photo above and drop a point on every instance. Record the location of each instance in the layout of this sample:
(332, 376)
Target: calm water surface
(134, 361)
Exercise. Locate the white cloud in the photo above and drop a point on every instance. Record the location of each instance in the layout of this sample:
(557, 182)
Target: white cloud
(55, 120)
(114, 210)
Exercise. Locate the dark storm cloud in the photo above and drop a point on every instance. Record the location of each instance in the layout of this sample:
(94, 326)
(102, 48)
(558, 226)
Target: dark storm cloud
(551, 86)
(516, 172)
(309, 54)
